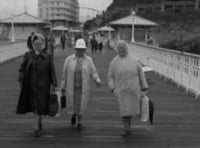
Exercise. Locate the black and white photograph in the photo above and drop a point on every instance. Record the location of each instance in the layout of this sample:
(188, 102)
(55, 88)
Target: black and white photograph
(100, 74)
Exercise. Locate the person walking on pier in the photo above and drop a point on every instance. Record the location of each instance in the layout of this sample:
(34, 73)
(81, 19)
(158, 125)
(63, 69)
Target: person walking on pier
(29, 41)
(75, 83)
(93, 43)
(127, 80)
(36, 77)
(63, 41)
(100, 39)
(52, 42)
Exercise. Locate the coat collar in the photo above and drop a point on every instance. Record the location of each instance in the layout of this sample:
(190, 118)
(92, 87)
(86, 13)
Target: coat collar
(42, 54)
(75, 57)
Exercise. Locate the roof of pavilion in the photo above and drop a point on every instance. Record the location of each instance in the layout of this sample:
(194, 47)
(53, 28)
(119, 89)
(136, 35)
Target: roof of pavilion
(24, 18)
(60, 28)
(106, 28)
(138, 21)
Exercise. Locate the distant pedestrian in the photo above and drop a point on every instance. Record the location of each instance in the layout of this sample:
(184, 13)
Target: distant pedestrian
(67, 41)
(36, 77)
(100, 39)
(75, 83)
(93, 43)
(52, 42)
(63, 41)
(101, 42)
(150, 40)
(29, 41)
(127, 80)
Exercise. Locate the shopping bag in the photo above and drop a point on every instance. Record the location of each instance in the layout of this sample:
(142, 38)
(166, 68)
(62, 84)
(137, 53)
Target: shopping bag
(147, 109)
(53, 103)
(144, 116)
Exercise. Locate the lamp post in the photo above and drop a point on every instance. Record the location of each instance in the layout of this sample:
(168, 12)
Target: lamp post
(109, 35)
(13, 30)
(133, 26)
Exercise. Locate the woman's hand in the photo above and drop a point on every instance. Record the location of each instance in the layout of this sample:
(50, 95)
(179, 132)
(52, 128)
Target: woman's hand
(98, 82)
(144, 91)
(62, 92)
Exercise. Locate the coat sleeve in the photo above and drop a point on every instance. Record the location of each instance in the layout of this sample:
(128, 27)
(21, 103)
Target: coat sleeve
(27, 43)
(142, 78)
(23, 67)
(52, 71)
(63, 82)
(110, 76)
(94, 72)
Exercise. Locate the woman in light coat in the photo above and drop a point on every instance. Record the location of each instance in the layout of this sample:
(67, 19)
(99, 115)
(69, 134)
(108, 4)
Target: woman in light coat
(127, 80)
(77, 72)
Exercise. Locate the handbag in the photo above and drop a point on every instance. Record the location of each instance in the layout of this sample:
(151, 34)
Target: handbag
(53, 103)
(63, 101)
(151, 111)
(147, 109)
(144, 117)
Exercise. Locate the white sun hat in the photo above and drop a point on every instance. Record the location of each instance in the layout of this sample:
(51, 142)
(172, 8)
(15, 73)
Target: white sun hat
(80, 44)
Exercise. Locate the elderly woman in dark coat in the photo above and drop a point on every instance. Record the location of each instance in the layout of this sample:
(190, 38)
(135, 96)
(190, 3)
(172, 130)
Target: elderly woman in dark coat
(36, 77)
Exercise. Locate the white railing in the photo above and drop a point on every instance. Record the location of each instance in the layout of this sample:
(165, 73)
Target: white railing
(180, 67)
(11, 50)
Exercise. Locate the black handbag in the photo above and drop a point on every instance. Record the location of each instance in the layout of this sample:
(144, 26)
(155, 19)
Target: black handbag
(53, 103)
(63, 101)
(151, 111)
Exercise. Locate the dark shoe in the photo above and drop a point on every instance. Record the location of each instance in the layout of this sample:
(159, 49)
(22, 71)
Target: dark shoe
(80, 127)
(73, 119)
(125, 134)
(37, 133)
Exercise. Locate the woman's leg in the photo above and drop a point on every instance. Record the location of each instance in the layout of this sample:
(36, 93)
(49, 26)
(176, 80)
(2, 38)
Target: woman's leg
(77, 105)
(37, 127)
(73, 119)
(40, 123)
(79, 122)
(78, 109)
(79, 119)
(127, 125)
(129, 122)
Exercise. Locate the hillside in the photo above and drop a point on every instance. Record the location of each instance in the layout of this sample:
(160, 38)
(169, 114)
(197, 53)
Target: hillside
(129, 3)
(174, 27)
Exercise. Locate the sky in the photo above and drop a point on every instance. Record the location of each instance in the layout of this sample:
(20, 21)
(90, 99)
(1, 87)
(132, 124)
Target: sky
(9, 7)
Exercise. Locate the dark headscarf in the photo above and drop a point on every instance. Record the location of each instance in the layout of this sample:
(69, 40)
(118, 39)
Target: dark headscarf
(38, 36)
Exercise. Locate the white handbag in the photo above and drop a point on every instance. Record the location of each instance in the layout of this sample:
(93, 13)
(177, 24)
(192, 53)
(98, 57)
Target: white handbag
(144, 106)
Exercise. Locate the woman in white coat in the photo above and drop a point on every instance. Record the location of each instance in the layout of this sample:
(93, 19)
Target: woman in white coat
(75, 84)
(126, 79)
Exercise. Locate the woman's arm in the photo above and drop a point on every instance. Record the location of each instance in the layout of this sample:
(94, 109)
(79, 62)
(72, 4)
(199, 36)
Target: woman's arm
(23, 67)
(52, 72)
(142, 79)
(110, 77)
(63, 82)
(94, 72)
